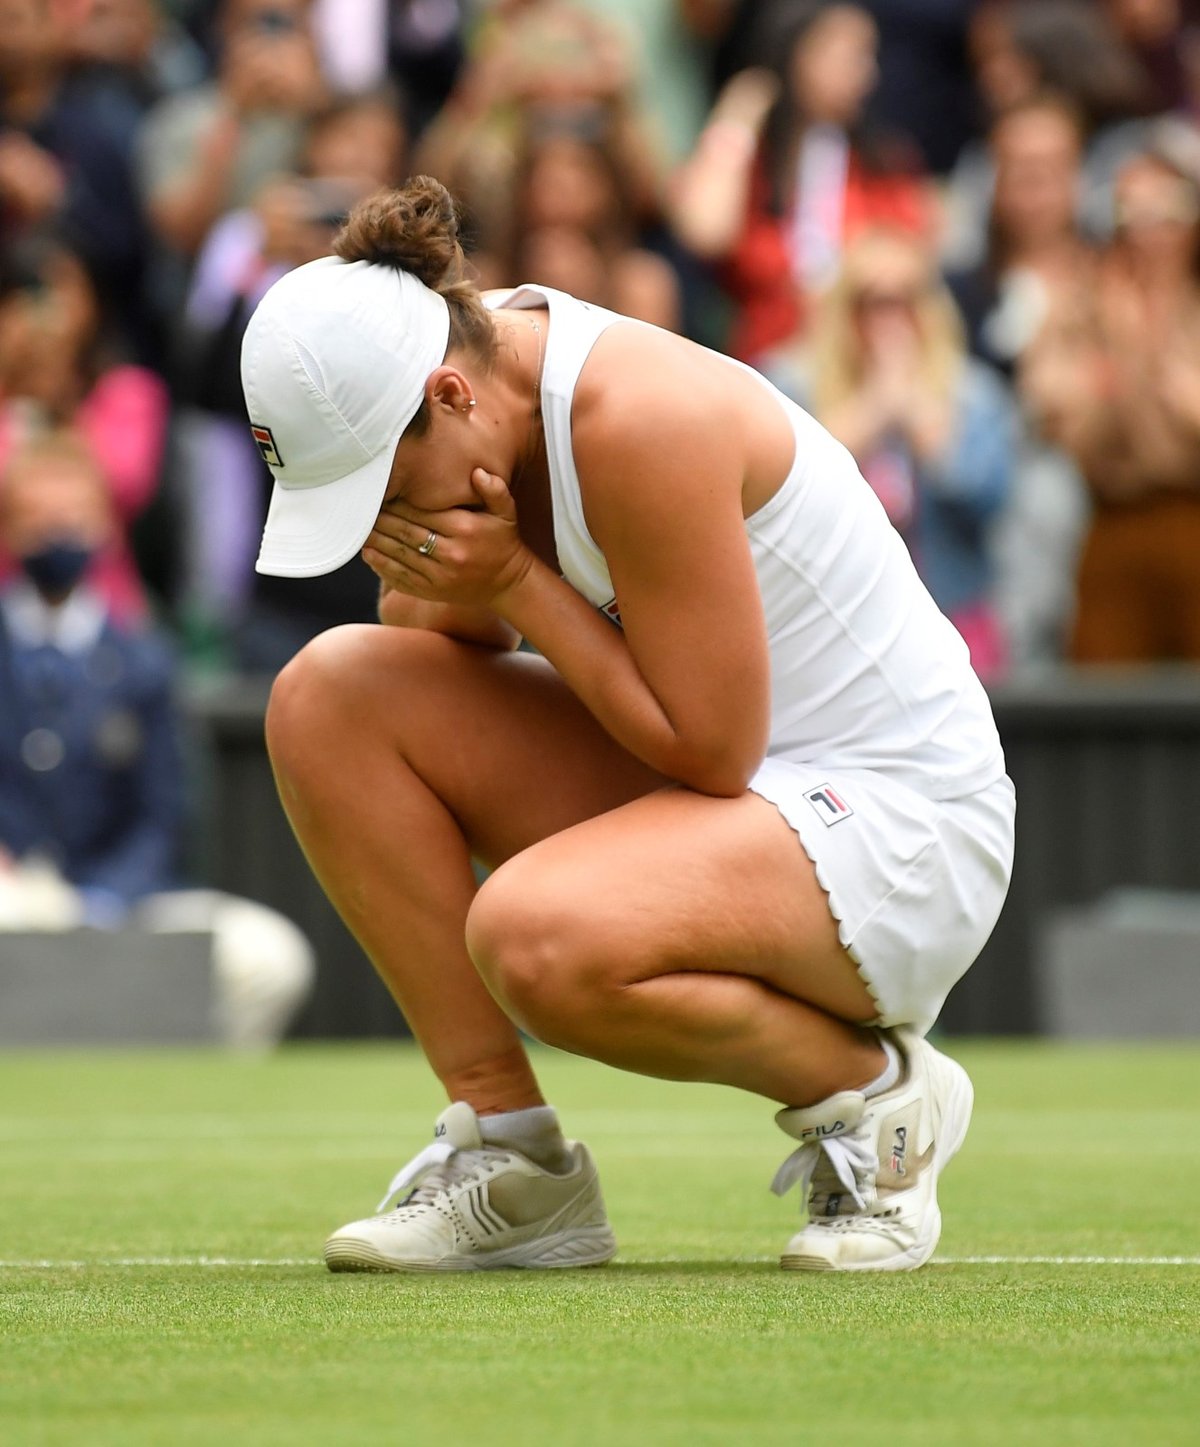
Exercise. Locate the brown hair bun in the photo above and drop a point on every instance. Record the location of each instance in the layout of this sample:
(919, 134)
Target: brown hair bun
(413, 228)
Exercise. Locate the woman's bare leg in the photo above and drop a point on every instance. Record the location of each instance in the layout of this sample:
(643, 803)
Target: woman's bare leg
(398, 754)
(682, 936)
(679, 936)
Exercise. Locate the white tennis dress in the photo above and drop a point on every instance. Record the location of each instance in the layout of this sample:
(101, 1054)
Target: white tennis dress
(883, 754)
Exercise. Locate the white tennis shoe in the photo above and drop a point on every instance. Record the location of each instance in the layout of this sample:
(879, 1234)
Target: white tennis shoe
(476, 1207)
(870, 1167)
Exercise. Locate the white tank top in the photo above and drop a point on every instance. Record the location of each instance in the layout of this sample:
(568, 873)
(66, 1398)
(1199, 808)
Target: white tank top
(865, 672)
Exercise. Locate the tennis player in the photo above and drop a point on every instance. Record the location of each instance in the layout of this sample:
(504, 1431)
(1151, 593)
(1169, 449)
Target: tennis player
(745, 807)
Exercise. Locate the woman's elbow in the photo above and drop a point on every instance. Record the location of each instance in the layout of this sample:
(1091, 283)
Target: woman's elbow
(723, 772)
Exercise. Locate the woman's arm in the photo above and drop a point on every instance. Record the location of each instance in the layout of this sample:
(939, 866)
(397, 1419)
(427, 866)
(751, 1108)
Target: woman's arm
(456, 620)
(686, 685)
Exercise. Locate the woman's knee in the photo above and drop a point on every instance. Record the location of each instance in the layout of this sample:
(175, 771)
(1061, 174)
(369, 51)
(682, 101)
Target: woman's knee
(338, 683)
(535, 956)
(309, 688)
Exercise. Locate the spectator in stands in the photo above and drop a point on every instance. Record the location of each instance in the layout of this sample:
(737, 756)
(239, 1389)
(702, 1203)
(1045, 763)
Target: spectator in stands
(141, 43)
(884, 366)
(925, 85)
(414, 44)
(672, 60)
(1035, 243)
(1024, 48)
(533, 60)
(1116, 382)
(576, 226)
(1154, 30)
(210, 149)
(67, 137)
(1036, 250)
(91, 778)
(356, 146)
(58, 367)
(786, 171)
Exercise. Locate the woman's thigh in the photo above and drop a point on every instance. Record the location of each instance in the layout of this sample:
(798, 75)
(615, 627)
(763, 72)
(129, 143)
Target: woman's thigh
(606, 864)
(498, 738)
(673, 883)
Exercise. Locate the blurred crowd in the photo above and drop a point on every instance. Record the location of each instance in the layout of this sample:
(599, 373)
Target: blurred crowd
(965, 234)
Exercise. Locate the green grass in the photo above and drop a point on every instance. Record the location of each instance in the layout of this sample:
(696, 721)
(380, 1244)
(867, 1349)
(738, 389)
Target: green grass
(693, 1337)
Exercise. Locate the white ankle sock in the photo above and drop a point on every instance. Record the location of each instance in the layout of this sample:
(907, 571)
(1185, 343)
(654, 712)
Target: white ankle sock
(534, 1132)
(891, 1071)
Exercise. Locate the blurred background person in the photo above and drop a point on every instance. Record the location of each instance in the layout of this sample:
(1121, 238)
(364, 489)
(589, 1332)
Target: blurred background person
(59, 367)
(670, 45)
(1115, 378)
(231, 614)
(532, 61)
(925, 85)
(1035, 243)
(787, 170)
(91, 772)
(1157, 32)
(1021, 49)
(576, 225)
(68, 132)
(924, 88)
(1036, 252)
(210, 148)
(140, 42)
(884, 366)
(417, 45)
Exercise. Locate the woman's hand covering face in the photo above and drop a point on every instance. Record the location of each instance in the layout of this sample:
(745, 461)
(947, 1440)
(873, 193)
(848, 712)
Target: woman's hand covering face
(477, 552)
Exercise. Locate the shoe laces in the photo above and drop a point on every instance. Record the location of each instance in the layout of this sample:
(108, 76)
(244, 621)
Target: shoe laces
(433, 1171)
(852, 1158)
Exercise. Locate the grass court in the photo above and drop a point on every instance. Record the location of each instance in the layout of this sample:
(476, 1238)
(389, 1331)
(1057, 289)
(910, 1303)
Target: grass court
(161, 1282)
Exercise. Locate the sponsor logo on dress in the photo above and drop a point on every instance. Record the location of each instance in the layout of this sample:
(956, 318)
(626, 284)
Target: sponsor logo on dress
(264, 440)
(612, 612)
(831, 808)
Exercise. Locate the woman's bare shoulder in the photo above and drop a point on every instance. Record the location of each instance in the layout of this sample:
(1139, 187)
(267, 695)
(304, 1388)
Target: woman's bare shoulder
(650, 401)
(646, 371)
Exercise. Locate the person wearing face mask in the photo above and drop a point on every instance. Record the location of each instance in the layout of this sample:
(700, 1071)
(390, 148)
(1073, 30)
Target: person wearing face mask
(91, 773)
(60, 366)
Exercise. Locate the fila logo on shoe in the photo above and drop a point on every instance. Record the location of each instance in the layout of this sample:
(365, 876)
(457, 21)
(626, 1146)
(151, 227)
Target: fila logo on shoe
(905, 1177)
(820, 1132)
(899, 1149)
(439, 1130)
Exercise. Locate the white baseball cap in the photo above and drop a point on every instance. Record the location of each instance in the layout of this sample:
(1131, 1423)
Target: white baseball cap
(334, 365)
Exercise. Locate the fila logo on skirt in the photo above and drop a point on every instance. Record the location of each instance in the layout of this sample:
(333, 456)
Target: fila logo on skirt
(829, 804)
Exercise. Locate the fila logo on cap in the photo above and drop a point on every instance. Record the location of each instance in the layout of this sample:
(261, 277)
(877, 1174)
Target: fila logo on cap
(829, 805)
(264, 439)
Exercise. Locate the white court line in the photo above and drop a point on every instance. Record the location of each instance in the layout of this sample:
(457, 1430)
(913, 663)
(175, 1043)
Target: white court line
(192, 1262)
(1065, 1261)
